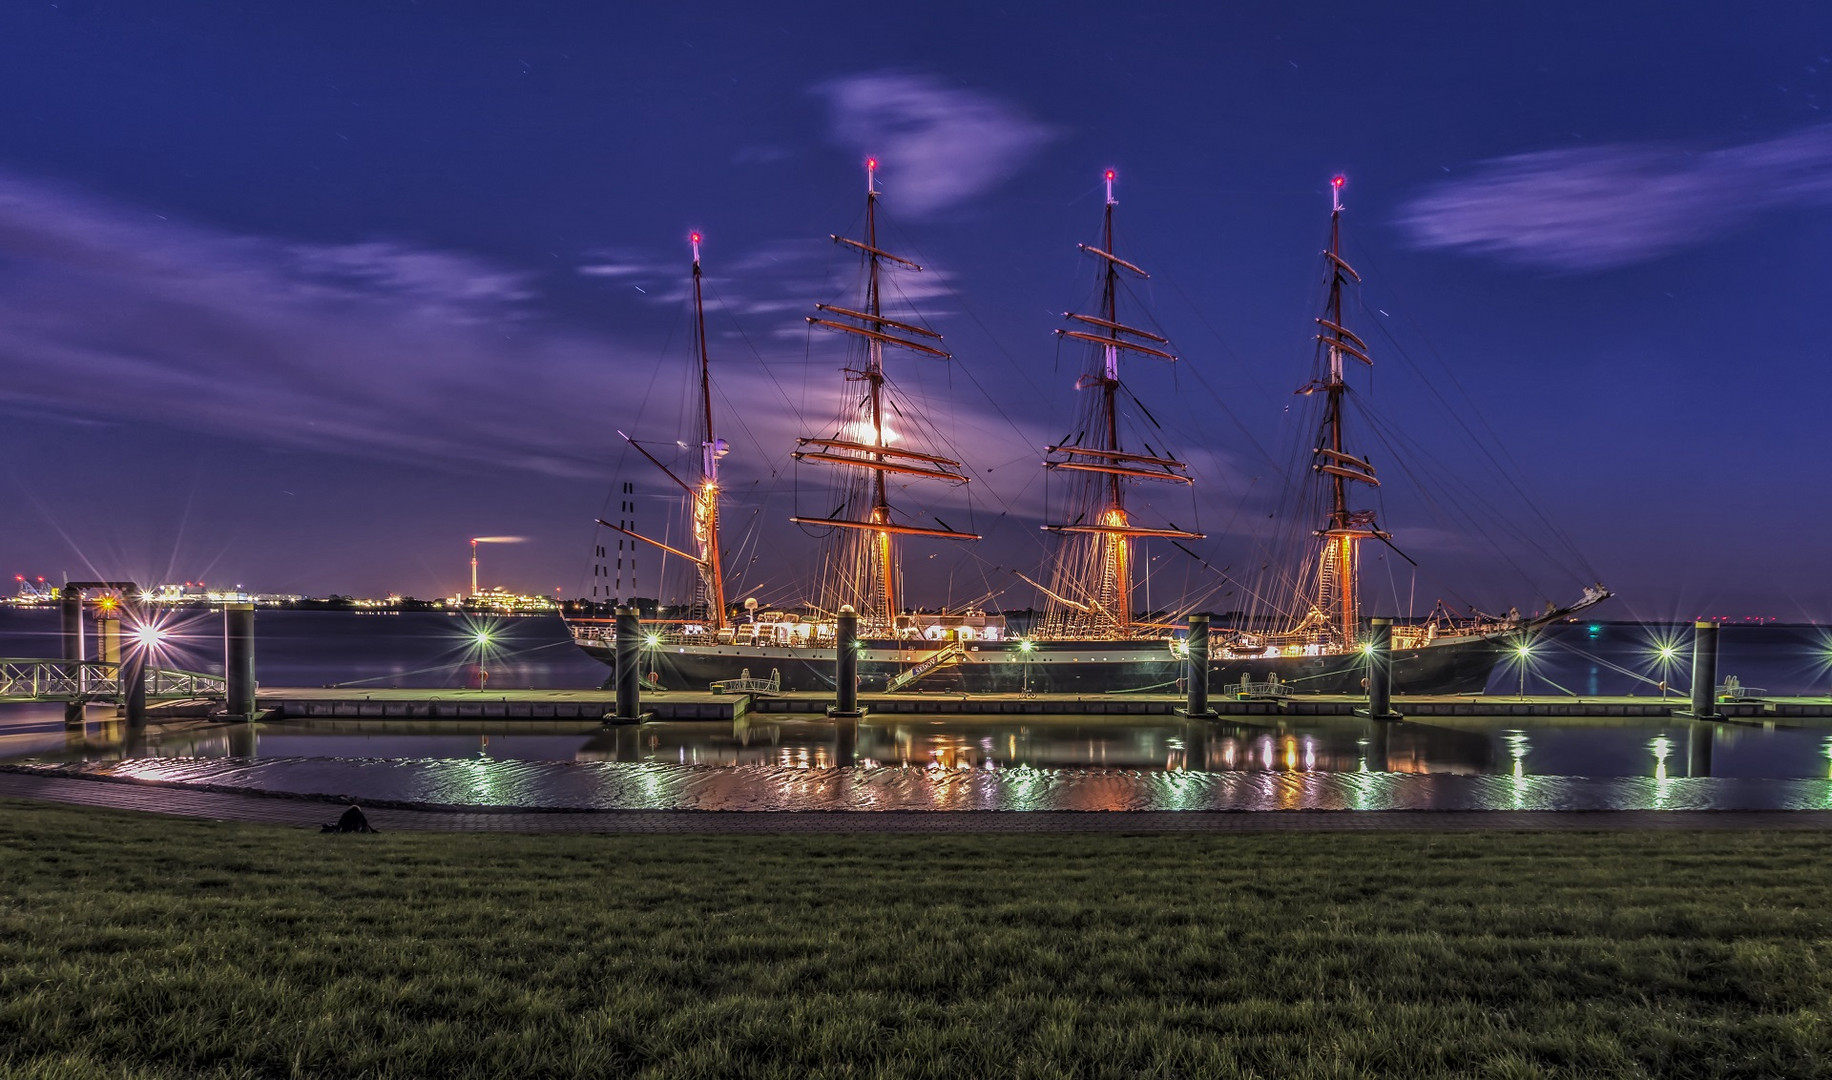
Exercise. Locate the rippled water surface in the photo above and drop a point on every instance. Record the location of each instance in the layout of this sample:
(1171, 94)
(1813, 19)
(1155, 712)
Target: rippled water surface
(946, 763)
(1067, 763)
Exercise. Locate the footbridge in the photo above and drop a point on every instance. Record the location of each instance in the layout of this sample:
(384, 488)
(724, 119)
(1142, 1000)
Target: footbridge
(77, 681)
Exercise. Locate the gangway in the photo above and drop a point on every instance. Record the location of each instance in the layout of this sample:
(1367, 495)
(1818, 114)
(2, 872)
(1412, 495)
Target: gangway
(31, 679)
(744, 684)
(946, 656)
(1259, 691)
(1732, 689)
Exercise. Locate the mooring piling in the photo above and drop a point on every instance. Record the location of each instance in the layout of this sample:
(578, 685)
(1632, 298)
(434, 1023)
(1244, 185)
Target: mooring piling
(70, 603)
(628, 646)
(1704, 671)
(238, 661)
(133, 682)
(846, 666)
(1379, 650)
(1196, 669)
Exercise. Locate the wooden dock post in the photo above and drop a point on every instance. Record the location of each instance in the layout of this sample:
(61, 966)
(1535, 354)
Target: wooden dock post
(1196, 669)
(238, 661)
(1380, 671)
(846, 667)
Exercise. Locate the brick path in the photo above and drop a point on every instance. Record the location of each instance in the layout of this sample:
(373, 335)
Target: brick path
(222, 806)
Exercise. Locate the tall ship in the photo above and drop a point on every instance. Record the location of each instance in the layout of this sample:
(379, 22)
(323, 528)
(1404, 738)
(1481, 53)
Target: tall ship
(1091, 636)
(1305, 627)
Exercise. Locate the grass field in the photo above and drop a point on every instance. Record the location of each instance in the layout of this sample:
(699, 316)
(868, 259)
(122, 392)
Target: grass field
(140, 947)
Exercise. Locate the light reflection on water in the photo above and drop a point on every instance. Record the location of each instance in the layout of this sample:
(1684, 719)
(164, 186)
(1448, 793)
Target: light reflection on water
(971, 763)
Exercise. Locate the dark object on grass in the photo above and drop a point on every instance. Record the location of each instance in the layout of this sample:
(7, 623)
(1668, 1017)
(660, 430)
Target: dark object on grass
(352, 821)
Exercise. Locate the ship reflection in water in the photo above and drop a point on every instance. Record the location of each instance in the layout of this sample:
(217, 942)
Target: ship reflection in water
(972, 764)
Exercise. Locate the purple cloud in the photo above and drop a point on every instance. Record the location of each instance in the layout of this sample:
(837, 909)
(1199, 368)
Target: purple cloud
(1612, 206)
(940, 145)
(377, 349)
(384, 350)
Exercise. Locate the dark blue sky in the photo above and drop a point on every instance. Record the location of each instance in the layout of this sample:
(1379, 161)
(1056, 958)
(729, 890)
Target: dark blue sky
(303, 297)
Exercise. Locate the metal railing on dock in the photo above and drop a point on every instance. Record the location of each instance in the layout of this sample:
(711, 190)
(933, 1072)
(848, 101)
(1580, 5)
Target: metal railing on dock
(73, 680)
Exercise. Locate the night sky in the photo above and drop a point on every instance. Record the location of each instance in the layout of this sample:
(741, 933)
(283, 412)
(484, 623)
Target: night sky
(301, 297)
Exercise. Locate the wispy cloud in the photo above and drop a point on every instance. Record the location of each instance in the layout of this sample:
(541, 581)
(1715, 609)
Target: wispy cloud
(381, 349)
(374, 348)
(940, 145)
(1611, 206)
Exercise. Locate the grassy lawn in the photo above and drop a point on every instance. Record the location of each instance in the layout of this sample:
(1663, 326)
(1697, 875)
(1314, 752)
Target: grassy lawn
(142, 947)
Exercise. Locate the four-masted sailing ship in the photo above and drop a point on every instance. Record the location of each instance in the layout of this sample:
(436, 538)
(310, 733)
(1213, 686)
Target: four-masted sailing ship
(1090, 636)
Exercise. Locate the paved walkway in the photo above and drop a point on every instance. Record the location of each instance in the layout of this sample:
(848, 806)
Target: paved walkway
(308, 813)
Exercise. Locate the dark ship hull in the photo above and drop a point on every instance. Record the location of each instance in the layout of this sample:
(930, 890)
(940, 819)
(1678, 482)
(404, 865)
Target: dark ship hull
(1450, 666)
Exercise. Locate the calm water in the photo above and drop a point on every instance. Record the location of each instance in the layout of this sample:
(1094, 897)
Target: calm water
(429, 650)
(925, 763)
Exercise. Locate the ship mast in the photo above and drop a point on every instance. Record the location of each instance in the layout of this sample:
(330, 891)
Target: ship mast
(871, 574)
(702, 497)
(712, 448)
(1094, 571)
(1337, 602)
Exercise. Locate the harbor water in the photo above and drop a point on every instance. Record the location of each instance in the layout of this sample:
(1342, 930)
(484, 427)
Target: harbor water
(793, 763)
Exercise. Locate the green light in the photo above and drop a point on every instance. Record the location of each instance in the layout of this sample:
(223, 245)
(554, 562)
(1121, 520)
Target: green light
(483, 637)
(1522, 651)
(1667, 651)
(1026, 645)
(653, 639)
(1367, 648)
